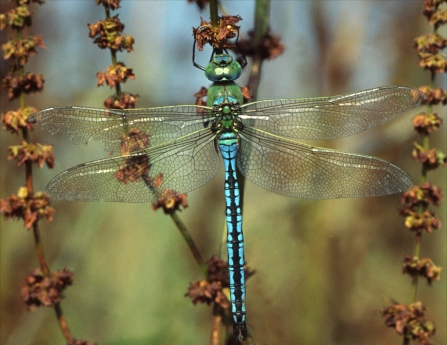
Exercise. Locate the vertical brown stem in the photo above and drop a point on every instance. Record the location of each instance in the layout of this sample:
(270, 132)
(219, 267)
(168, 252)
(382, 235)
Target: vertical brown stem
(39, 250)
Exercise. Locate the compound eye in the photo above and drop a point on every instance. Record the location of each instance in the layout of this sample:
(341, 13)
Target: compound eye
(223, 67)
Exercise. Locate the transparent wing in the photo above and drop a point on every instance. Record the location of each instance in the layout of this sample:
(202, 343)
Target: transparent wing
(178, 166)
(109, 125)
(331, 117)
(303, 171)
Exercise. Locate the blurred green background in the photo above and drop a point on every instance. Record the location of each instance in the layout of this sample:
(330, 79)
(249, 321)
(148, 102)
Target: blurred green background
(324, 269)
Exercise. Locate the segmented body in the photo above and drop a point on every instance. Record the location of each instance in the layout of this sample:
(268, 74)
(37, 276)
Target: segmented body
(225, 98)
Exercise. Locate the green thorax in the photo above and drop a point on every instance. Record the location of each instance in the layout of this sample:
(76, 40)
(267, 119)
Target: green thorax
(224, 91)
(224, 96)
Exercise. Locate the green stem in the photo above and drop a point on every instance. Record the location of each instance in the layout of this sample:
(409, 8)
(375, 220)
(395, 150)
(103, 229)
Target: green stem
(114, 63)
(189, 240)
(262, 23)
(261, 29)
(214, 14)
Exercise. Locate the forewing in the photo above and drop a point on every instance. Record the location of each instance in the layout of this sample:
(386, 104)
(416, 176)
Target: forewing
(110, 125)
(303, 171)
(178, 166)
(331, 117)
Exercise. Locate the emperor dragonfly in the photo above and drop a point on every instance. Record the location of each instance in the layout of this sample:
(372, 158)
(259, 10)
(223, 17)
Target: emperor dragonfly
(176, 150)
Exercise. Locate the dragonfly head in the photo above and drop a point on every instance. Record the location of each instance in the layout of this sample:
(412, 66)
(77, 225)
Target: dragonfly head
(222, 67)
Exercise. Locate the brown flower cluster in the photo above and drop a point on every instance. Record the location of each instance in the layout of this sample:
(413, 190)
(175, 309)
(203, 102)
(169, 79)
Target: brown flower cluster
(433, 13)
(269, 48)
(428, 48)
(109, 4)
(13, 120)
(18, 17)
(434, 96)
(26, 207)
(420, 221)
(17, 85)
(417, 200)
(429, 158)
(426, 123)
(114, 75)
(107, 34)
(125, 101)
(438, 18)
(32, 152)
(410, 321)
(21, 49)
(200, 95)
(169, 200)
(218, 38)
(134, 169)
(422, 195)
(430, 43)
(211, 290)
(203, 291)
(135, 141)
(422, 267)
(45, 291)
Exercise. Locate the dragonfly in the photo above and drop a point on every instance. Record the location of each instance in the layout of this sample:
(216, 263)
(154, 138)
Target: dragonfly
(176, 149)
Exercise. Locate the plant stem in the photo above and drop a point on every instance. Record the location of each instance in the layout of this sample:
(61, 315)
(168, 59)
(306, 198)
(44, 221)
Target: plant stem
(261, 29)
(214, 14)
(63, 323)
(114, 61)
(36, 230)
(422, 180)
(39, 250)
(189, 240)
(217, 321)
